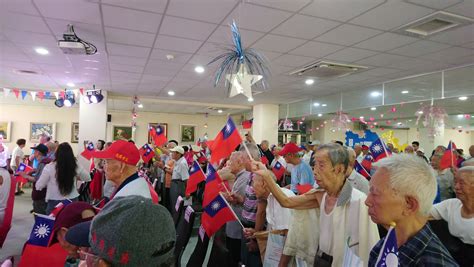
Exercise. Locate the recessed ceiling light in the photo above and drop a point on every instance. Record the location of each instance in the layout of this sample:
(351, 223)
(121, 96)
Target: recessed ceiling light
(320, 115)
(324, 105)
(460, 115)
(219, 111)
(373, 108)
(405, 92)
(361, 117)
(140, 105)
(410, 120)
(67, 72)
(309, 81)
(399, 123)
(463, 98)
(171, 93)
(420, 112)
(70, 84)
(316, 104)
(459, 126)
(375, 94)
(199, 69)
(90, 68)
(41, 51)
(250, 99)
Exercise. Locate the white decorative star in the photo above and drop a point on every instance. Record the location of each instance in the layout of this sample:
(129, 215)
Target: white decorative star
(42, 231)
(216, 205)
(242, 82)
(377, 148)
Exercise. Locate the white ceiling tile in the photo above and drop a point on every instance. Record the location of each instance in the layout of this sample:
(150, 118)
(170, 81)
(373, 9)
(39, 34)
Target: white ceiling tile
(126, 68)
(20, 22)
(351, 54)
(385, 41)
(168, 65)
(456, 36)
(80, 11)
(223, 35)
(293, 61)
(202, 60)
(160, 71)
(127, 37)
(375, 72)
(277, 43)
(382, 60)
(157, 6)
(186, 28)
(450, 54)
(212, 49)
(347, 35)
(179, 57)
(292, 6)
(419, 48)
(19, 6)
(341, 10)
(304, 27)
(269, 55)
(133, 61)
(466, 8)
(32, 39)
(252, 17)
(177, 44)
(279, 69)
(127, 50)
(469, 45)
(87, 32)
(435, 4)
(315, 49)
(130, 19)
(392, 14)
(413, 63)
(204, 10)
(155, 78)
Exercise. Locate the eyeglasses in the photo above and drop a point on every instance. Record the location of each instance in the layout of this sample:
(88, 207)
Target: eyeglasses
(90, 259)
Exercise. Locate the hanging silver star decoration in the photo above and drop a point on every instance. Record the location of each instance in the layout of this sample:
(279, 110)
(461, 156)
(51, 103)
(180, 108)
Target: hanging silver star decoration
(242, 81)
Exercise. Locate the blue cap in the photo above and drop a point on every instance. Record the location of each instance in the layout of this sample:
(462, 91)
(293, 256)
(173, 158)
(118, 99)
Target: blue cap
(78, 235)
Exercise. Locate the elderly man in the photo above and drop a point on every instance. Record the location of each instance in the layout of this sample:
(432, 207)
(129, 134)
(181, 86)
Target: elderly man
(445, 178)
(265, 150)
(342, 210)
(120, 167)
(179, 175)
(357, 181)
(402, 191)
(237, 162)
(301, 172)
(409, 150)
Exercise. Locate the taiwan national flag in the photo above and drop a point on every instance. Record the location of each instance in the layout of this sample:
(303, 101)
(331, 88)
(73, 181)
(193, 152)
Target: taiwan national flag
(247, 124)
(388, 255)
(158, 135)
(361, 170)
(216, 214)
(379, 150)
(449, 159)
(196, 175)
(225, 142)
(264, 160)
(278, 170)
(303, 188)
(88, 152)
(213, 185)
(146, 153)
(54, 213)
(23, 168)
(367, 162)
(42, 229)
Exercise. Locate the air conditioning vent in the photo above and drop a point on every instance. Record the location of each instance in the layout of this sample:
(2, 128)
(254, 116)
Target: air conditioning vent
(325, 69)
(27, 72)
(434, 23)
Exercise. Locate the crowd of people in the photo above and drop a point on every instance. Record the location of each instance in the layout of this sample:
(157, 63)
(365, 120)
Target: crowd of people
(119, 212)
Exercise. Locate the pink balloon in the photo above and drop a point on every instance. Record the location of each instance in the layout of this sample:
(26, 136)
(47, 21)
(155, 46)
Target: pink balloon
(389, 122)
(394, 109)
(371, 118)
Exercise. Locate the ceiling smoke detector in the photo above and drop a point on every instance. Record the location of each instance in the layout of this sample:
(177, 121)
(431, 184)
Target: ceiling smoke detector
(325, 69)
(434, 23)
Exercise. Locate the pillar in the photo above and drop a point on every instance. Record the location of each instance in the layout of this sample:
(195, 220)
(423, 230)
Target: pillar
(429, 143)
(265, 123)
(92, 124)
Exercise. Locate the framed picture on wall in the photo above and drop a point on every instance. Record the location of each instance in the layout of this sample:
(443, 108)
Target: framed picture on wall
(154, 124)
(5, 130)
(75, 132)
(38, 128)
(188, 133)
(122, 132)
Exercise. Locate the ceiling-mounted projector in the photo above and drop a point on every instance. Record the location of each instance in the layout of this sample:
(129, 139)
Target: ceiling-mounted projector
(73, 45)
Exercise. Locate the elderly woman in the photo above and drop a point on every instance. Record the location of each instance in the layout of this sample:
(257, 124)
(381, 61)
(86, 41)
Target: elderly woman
(459, 211)
(342, 210)
(402, 192)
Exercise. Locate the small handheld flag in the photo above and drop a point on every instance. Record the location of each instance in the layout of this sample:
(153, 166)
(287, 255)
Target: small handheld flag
(23, 168)
(303, 188)
(449, 159)
(216, 214)
(247, 124)
(54, 213)
(196, 175)
(213, 185)
(361, 170)
(158, 135)
(42, 229)
(379, 150)
(367, 162)
(87, 153)
(278, 170)
(388, 255)
(146, 153)
(225, 142)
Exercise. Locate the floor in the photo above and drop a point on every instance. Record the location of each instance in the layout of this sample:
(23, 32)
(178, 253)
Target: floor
(23, 221)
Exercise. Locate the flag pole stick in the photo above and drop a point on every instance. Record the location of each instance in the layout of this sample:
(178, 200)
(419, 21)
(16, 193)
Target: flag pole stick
(247, 150)
(237, 218)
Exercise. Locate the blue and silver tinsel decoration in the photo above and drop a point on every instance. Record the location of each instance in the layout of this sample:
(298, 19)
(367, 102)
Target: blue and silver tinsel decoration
(238, 62)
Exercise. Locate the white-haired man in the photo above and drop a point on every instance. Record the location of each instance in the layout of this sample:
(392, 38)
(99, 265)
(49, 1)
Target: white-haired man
(402, 191)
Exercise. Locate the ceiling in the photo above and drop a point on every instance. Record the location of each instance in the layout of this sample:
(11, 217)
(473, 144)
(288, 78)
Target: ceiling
(133, 38)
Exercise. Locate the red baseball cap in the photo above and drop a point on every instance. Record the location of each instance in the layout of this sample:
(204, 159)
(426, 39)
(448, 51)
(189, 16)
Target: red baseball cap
(120, 150)
(290, 148)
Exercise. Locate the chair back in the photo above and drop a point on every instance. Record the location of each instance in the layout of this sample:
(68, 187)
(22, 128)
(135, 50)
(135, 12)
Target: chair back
(200, 250)
(183, 233)
(179, 210)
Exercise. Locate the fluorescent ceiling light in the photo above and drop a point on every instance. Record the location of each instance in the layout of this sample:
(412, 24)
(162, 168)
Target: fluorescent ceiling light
(309, 81)
(171, 93)
(199, 69)
(42, 51)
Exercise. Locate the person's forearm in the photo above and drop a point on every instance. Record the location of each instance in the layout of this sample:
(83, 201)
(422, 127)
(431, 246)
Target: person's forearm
(261, 215)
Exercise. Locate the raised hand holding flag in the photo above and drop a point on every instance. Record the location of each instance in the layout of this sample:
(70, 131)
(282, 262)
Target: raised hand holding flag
(361, 170)
(225, 142)
(196, 175)
(279, 170)
(87, 153)
(158, 135)
(216, 214)
(379, 150)
(449, 159)
(146, 153)
(213, 186)
(23, 168)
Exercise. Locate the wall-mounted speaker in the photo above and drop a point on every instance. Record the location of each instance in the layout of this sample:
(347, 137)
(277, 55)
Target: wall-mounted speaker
(109, 117)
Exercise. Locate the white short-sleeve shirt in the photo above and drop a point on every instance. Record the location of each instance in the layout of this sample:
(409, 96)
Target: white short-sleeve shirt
(450, 211)
(17, 152)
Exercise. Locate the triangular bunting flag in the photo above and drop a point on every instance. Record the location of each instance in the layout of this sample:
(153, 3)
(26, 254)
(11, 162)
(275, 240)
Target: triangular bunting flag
(16, 92)
(23, 94)
(47, 94)
(81, 90)
(6, 91)
(76, 92)
(62, 94)
(33, 95)
(56, 94)
(41, 95)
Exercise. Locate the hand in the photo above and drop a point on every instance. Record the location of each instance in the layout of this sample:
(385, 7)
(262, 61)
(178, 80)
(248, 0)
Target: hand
(249, 232)
(257, 165)
(21, 173)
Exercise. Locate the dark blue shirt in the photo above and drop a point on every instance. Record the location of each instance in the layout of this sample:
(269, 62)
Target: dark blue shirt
(423, 249)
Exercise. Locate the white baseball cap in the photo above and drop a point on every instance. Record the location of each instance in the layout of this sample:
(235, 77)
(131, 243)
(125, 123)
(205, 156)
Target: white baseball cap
(178, 149)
